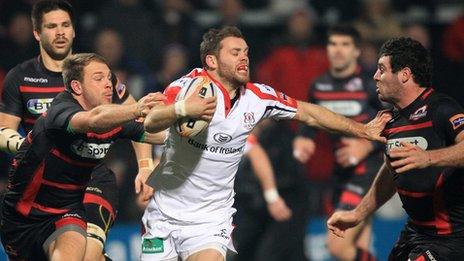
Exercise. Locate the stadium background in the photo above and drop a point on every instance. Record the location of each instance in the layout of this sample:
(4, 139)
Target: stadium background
(151, 42)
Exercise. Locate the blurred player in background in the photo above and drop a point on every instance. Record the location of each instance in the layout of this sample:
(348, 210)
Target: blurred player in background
(344, 89)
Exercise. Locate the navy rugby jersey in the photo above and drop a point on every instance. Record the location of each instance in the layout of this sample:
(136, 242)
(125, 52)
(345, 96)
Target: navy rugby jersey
(432, 197)
(54, 164)
(29, 89)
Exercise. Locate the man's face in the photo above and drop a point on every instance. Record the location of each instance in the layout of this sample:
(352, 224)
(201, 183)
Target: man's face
(97, 88)
(389, 87)
(56, 35)
(342, 52)
(233, 61)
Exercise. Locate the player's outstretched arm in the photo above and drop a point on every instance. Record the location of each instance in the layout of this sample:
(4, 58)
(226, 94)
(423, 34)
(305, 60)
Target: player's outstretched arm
(382, 189)
(163, 116)
(263, 170)
(106, 117)
(320, 117)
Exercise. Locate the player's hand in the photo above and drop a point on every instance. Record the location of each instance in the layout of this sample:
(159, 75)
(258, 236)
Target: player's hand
(144, 191)
(148, 101)
(303, 148)
(340, 221)
(409, 157)
(200, 108)
(353, 151)
(375, 127)
(279, 210)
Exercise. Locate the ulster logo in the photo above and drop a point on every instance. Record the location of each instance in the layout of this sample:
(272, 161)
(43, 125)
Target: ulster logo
(249, 120)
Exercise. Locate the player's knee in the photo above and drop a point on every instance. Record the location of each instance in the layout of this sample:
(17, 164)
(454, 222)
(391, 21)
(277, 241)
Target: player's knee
(69, 246)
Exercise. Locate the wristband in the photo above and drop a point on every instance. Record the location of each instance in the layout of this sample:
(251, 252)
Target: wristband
(146, 163)
(271, 195)
(179, 108)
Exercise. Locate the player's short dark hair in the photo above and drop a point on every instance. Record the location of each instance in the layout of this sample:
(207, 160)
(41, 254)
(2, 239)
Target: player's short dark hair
(407, 52)
(42, 7)
(347, 30)
(211, 43)
(73, 67)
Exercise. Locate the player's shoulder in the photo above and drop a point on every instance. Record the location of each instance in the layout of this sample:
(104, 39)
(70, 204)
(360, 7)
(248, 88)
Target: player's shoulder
(186, 79)
(19, 71)
(437, 99)
(261, 90)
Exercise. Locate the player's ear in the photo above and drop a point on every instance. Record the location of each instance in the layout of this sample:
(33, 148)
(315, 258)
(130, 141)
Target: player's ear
(76, 87)
(405, 74)
(36, 35)
(211, 61)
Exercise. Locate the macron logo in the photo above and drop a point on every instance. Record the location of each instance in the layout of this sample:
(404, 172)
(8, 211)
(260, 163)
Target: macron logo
(35, 80)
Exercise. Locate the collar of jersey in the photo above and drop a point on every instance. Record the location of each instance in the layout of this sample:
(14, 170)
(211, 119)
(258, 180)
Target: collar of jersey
(225, 93)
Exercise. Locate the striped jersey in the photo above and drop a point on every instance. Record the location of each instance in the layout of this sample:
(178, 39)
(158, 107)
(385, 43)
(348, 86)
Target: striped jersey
(195, 178)
(432, 197)
(29, 89)
(54, 164)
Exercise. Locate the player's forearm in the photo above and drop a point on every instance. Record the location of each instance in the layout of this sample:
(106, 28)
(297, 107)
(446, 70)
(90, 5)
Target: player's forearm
(448, 157)
(156, 137)
(109, 116)
(320, 117)
(262, 167)
(382, 189)
(160, 118)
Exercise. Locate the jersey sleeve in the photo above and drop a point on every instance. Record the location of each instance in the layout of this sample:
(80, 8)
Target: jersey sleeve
(120, 93)
(59, 115)
(133, 130)
(448, 119)
(278, 105)
(10, 98)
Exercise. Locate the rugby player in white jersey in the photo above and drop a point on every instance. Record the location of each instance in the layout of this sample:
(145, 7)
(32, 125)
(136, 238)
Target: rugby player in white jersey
(190, 214)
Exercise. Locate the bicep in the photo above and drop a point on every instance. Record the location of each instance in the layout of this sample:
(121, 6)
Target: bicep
(9, 121)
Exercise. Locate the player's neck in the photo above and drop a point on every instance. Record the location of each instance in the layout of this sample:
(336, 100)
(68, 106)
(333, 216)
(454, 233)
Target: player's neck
(345, 72)
(409, 96)
(50, 63)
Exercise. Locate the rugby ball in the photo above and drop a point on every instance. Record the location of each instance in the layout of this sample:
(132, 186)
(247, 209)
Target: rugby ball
(188, 127)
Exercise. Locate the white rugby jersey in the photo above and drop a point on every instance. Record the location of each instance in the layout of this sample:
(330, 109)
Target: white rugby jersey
(195, 179)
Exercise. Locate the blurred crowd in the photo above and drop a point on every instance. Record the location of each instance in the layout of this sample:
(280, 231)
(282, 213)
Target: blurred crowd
(149, 43)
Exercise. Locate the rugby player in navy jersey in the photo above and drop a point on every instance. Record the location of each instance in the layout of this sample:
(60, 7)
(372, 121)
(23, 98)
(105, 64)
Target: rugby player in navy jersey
(29, 89)
(43, 213)
(423, 158)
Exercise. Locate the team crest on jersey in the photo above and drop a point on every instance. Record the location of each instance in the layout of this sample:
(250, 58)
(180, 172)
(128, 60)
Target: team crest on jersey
(249, 120)
(38, 106)
(457, 120)
(419, 113)
(354, 85)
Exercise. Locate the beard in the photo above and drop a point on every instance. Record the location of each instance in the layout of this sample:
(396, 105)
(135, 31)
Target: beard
(227, 73)
(48, 47)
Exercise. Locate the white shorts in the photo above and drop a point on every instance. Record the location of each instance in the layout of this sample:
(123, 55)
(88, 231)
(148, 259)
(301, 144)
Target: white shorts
(165, 240)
